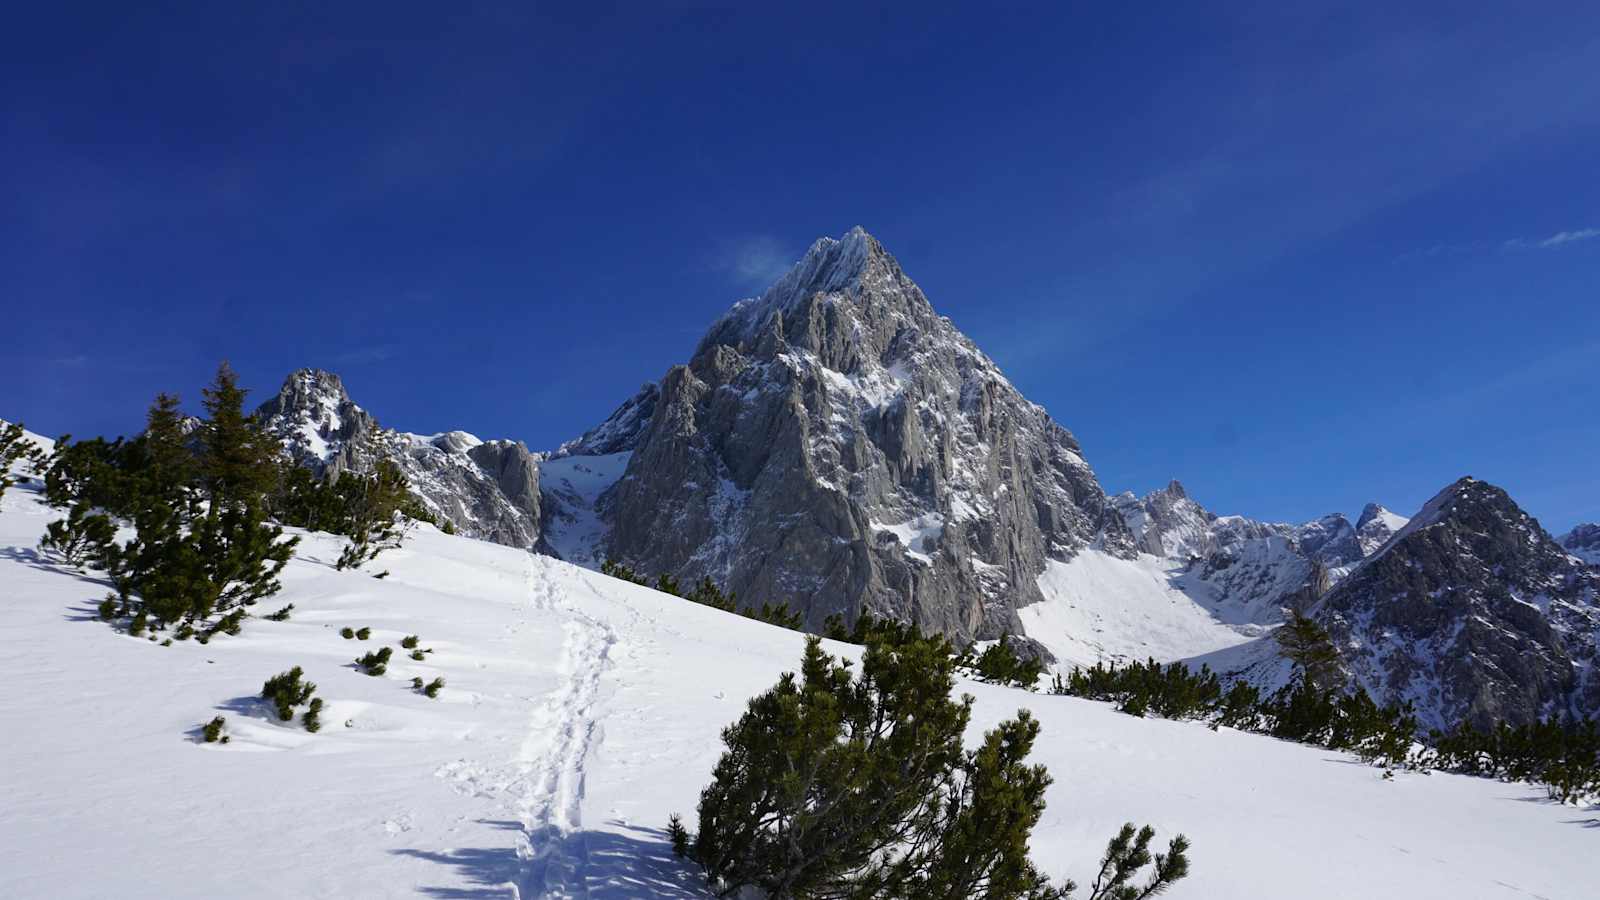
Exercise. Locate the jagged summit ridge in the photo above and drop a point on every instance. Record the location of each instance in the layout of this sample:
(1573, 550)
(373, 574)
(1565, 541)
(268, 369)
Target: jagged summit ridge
(830, 267)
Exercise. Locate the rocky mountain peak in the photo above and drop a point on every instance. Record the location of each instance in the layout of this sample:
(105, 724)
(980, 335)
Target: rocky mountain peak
(1474, 607)
(1375, 526)
(847, 303)
(314, 418)
(1584, 542)
(838, 444)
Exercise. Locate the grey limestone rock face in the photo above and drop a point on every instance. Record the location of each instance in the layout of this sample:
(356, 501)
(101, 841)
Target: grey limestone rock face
(1474, 613)
(838, 445)
(486, 489)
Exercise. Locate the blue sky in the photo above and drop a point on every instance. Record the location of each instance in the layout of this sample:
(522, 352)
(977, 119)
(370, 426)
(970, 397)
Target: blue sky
(1298, 258)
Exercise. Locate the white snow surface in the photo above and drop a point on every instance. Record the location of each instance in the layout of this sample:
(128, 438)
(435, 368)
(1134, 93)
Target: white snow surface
(574, 530)
(579, 712)
(1098, 607)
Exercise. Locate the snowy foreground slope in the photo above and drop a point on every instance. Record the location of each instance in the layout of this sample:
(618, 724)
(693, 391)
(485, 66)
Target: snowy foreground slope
(579, 712)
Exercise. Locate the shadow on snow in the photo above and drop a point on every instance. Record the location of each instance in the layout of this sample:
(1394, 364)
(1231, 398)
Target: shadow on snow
(632, 862)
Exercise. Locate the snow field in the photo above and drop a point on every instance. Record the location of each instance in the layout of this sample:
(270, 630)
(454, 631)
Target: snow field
(578, 713)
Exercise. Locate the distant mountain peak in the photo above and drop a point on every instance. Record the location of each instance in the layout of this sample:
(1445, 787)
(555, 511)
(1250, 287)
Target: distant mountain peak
(1583, 542)
(1376, 526)
(1471, 603)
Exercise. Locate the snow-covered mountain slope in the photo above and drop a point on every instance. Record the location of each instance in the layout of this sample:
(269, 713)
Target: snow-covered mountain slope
(838, 445)
(1098, 607)
(486, 489)
(1472, 611)
(1584, 542)
(571, 487)
(1200, 583)
(578, 713)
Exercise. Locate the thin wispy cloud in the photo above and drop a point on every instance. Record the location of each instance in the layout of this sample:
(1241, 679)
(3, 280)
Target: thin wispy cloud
(754, 262)
(1559, 239)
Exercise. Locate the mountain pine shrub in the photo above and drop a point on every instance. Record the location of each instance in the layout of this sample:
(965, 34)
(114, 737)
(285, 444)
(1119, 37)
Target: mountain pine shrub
(376, 662)
(286, 690)
(311, 718)
(14, 448)
(1000, 664)
(83, 538)
(838, 785)
(212, 732)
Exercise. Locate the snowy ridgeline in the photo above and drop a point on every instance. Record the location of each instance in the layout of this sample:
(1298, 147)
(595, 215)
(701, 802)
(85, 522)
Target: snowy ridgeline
(580, 712)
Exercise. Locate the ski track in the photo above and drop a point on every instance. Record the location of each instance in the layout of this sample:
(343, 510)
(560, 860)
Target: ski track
(563, 730)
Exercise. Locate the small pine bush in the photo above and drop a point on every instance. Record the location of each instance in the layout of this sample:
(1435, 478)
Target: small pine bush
(231, 623)
(213, 731)
(999, 664)
(184, 632)
(108, 608)
(347, 632)
(376, 662)
(418, 655)
(137, 626)
(83, 538)
(281, 615)
(286, 691)
(432, 690)
(363, 633)
(416, 682)
(310, 718)
(680, 835)
(382, 575)
(410, 642)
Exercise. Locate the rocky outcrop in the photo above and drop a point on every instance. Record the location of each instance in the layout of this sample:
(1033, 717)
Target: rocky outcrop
(1584, 543)
(486, 489)
(837, 444)
(1245, 570)
(1472, 612)
(1376, 526)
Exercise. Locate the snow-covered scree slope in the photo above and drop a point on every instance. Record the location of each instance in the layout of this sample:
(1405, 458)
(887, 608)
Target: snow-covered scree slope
(579, 712)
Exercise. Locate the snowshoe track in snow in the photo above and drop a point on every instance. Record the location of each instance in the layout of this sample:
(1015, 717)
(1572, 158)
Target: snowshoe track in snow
(563, 730)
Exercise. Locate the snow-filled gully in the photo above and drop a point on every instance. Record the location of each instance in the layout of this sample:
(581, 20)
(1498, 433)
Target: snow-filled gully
(561, 733)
